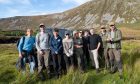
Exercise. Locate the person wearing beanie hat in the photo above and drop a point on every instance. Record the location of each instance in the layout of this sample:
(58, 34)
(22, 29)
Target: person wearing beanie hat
(68, 50)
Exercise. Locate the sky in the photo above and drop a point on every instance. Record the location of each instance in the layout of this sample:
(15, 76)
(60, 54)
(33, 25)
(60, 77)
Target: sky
(10, 8)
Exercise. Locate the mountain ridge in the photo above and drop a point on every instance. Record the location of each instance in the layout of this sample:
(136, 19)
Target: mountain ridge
(90, 14)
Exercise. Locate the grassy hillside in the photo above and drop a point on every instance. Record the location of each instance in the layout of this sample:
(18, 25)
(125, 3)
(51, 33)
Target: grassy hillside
(131, 61)
(130, 30)
(130, 33)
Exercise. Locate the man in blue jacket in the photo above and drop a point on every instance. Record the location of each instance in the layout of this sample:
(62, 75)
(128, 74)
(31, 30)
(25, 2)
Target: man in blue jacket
(56, 50)
(26, 52)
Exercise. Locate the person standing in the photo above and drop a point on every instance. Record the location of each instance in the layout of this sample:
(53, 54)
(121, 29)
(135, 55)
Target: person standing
(25, 48)
(68, 50)
(104, 35)
(114, 45)
(78, 49)
(57, 52)
(94, 45)
(75, 35)
(43, 50)
(86, 49)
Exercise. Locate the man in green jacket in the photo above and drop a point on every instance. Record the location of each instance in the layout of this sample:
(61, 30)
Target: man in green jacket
(114, 45)
(104, 35)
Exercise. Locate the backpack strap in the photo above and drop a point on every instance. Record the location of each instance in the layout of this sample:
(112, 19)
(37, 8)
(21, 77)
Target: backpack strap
(23, 40)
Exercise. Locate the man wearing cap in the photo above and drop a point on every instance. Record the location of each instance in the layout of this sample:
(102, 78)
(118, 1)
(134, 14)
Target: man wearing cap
(103, 35)
(43, 50)
(57, 52)
(114, 45)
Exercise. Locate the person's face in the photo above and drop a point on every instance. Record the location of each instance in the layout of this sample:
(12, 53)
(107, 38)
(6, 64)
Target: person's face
(102, 30)
(42, 28)
(67, 35)
(86, 33)
(55, 34)
(76, 35)
(80, 34)
(112, 27)
(92, 31)
(29, 32)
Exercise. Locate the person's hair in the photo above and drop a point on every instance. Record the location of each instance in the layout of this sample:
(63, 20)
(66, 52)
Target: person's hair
(81, 32)
(92, 28)
(87, 32)
(31, 30)
(55, 30)
(75, 35)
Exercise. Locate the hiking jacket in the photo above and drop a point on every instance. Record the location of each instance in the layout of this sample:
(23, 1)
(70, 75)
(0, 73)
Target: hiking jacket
(104, 39)
(28, 44)
(68, 46)
(56, 45)
(42, 41)
(116, 40)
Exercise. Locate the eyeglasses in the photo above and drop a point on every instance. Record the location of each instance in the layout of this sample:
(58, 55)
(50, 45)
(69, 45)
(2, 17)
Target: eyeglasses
(67, 34)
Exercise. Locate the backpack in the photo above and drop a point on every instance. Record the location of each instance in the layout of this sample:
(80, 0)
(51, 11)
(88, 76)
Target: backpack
(19, 41)
(18, 63)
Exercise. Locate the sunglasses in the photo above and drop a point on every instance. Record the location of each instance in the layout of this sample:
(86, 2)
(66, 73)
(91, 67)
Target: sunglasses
(111, 25)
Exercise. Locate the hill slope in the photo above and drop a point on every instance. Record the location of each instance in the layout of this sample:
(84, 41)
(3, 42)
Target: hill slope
(90, 14)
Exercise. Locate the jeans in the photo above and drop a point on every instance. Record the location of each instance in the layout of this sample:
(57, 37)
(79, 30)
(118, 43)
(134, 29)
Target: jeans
(57, 61)
(27, 58)
(69, 61)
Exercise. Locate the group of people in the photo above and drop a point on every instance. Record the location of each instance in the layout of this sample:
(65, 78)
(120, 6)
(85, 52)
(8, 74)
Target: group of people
(76, 50)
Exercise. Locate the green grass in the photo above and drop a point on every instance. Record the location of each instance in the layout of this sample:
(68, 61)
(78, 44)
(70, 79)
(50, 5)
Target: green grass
(131, 65)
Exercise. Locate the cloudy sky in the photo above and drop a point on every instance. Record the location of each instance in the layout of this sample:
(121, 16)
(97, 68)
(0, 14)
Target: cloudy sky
(10, 8)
